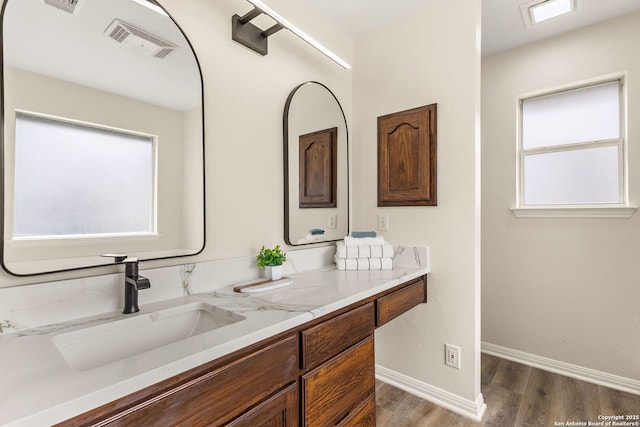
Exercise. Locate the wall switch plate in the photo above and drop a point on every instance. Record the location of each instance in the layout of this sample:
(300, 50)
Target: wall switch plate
(333, 221)
(383, 222)
(452, 355)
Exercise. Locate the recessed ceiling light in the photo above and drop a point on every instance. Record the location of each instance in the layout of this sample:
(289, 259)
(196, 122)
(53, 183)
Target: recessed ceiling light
(536, 11)
(550, 9)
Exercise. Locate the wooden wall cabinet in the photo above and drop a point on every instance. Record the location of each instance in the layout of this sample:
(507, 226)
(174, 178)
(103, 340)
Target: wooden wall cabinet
(321, 373)
(407, 158)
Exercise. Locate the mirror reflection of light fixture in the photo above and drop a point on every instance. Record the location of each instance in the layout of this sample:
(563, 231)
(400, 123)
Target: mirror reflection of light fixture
(251, 36)
(538, 11)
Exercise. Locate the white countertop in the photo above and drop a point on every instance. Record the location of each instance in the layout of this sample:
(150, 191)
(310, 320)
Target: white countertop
(39, 388)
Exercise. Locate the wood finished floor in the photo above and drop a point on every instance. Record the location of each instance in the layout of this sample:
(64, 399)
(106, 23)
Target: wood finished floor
(516, 395)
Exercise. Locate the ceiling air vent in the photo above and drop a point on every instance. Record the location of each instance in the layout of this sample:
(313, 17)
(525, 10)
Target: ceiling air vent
(135, 38)
(70, 6)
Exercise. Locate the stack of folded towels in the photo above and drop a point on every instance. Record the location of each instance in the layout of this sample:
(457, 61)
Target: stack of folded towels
(364, 250)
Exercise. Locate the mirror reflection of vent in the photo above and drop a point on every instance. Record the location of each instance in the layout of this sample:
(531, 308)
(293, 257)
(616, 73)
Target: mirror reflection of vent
(70, 6)
(135, 38)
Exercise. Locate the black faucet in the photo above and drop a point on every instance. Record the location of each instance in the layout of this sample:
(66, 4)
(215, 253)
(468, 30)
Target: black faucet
(132, 282)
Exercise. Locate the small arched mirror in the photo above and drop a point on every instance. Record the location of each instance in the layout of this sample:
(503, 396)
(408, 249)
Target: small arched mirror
(102, 135)
(316, 166)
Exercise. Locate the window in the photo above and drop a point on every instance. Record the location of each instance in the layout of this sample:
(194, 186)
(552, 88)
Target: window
(110, 171)
(572, 151)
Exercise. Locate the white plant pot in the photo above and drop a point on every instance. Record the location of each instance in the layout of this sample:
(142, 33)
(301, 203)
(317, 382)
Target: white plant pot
(273, 272)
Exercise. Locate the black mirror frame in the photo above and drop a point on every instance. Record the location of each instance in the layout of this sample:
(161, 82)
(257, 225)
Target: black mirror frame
(285, 128)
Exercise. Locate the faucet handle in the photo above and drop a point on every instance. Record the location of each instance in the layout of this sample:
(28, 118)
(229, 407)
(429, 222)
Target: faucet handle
(118, 258)
(121, 258)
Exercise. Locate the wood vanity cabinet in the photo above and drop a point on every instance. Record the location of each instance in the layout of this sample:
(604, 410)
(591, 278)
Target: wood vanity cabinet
(338, 368)
(321, 373)
(257, 389)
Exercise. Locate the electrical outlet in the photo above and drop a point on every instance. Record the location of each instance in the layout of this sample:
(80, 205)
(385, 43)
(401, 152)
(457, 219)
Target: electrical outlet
(333, 221)
(452, 355)
(383, 222)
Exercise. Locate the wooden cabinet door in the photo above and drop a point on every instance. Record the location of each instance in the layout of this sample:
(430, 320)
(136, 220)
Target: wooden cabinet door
(281, 410)
(407, 158)
(337, 388)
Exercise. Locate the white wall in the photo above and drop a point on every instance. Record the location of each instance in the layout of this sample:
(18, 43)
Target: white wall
(565, 289)
(429, 57)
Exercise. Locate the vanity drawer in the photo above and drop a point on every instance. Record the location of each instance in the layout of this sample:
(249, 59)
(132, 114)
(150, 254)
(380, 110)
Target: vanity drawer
(323, 341)
(394, 304)
(364, 416)
(219, 396)
(338, 387)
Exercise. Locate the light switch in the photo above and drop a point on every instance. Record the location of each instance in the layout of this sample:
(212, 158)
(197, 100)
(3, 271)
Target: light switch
(333, 221)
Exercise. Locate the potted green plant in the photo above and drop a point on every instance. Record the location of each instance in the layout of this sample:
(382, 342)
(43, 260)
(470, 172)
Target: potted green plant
(271, 260)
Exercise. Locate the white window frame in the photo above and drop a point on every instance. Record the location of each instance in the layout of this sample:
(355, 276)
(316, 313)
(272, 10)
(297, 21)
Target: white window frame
(598, 210)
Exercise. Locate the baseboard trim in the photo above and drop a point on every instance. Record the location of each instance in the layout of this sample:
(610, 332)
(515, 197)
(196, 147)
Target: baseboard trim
(567, 369)
(448, 400)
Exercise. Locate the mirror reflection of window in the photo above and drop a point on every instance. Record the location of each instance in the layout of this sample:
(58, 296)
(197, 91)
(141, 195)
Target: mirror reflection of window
(100, 183)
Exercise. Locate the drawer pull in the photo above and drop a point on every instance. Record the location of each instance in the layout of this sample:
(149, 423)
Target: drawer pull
(342, 419)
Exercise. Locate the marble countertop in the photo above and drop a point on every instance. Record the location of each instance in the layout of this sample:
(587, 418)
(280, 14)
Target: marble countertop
(38, 387)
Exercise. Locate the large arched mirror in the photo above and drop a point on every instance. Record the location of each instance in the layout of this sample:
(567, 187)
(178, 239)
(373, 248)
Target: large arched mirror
(102, 135)
(316, 166)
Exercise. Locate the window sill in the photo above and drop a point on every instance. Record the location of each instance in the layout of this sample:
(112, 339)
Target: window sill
(575, 212)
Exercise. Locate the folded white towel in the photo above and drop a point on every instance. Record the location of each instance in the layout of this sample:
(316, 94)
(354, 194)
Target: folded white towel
(375, 264)
(355, 241)
(341, 250)
(350, 264)
(364, 251)
(387, 250)
(376, 251)
(352, 251)
(363, 263)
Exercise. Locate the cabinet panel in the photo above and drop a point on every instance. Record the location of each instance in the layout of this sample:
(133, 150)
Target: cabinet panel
(281, 410)
(394, 304)
(322, 342)
(221, 395)
(333, 390)
(364, 416)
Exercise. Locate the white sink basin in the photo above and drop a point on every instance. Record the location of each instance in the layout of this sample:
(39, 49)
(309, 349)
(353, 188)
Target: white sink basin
(98, 345)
